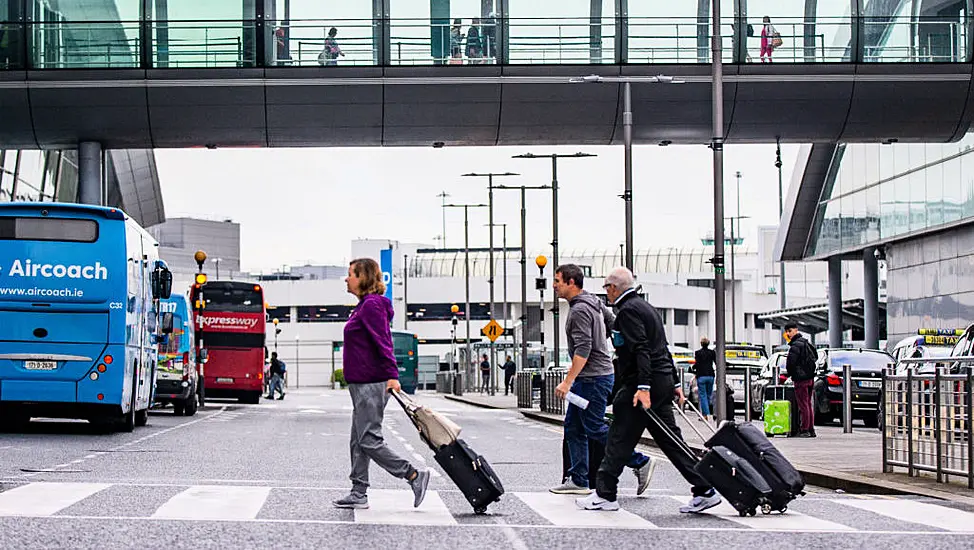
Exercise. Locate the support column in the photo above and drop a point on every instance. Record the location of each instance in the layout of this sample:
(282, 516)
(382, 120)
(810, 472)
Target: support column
(89, 173)
(870, 275)
(835, 302)
(670, 325)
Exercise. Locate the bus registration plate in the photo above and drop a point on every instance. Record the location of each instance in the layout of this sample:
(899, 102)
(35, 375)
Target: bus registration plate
(224, 380)
(40, 365)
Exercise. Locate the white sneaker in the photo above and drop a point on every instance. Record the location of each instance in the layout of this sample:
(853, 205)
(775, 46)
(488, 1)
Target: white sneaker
(569, 488)
(701, 503)
(595, 502)
(644, 475)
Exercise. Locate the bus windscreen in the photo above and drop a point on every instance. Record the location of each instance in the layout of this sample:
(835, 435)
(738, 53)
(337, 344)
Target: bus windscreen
(233, 299)
(48, 229)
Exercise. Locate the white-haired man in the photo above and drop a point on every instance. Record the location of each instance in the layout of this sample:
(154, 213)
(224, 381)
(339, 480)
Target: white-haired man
(644, 380)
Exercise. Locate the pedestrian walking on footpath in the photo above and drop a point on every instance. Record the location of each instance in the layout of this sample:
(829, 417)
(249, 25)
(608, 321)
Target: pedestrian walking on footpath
(371, 373)
(484, 374)
(645, 379)
(277, 370)
(801, 362)
(703, 368)
(510, 371)
(591, 377)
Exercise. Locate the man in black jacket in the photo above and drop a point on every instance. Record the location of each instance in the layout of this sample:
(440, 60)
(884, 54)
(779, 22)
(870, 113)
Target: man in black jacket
(644, 379)
(801, 363)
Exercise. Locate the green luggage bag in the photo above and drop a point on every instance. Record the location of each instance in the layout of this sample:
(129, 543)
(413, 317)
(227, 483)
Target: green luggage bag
(777, 417)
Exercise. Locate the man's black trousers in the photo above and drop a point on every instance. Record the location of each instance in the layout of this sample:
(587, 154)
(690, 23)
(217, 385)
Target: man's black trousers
(628, 426)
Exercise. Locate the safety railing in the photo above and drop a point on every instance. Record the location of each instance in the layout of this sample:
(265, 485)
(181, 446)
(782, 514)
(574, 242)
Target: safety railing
(527, 387)
(927, 418)
(265, 42)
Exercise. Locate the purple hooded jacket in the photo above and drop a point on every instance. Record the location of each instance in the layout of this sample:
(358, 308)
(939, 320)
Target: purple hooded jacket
(368, 355)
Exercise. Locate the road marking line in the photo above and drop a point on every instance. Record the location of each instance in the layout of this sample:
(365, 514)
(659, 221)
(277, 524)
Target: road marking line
(215, 502)
(45, 499)
(789, 521)
(408, 446)
(912, 511)
(419, 457)
(561, 510)
(389, 507)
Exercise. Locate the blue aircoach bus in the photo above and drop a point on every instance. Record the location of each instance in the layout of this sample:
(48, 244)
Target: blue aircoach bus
(79, 318)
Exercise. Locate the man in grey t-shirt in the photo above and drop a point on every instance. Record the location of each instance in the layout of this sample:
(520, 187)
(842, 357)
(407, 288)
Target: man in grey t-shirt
(591, 377)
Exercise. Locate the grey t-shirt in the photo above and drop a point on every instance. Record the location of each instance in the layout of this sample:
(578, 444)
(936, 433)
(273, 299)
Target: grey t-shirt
(587, 326)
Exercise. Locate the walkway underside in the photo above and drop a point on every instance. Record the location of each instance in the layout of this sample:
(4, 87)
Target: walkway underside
(530, 105)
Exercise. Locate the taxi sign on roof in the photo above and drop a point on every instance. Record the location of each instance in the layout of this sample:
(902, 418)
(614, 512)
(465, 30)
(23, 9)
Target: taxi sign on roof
(941, 332)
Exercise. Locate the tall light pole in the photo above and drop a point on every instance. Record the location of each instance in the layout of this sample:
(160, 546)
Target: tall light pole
(540, 284)
(627, 143)
(554, 229)
(490, 276)
(524, 264)
(781, 213)
(717, 145)
(733, 273)
(466, 267)
(443, 195)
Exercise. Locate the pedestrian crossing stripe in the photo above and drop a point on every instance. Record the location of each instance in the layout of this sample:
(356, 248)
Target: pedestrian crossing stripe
(234, 503)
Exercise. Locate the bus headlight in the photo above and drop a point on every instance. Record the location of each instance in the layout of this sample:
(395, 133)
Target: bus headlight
(94, 376)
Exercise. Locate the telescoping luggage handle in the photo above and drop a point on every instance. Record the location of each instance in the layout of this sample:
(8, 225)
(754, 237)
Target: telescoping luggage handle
(691, 424)
(683, 445)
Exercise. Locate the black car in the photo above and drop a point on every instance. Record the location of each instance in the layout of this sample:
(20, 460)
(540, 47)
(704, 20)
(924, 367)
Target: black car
(867, 378)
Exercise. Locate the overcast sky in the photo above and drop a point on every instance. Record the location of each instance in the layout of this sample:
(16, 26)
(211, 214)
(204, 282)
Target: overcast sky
(298, 206)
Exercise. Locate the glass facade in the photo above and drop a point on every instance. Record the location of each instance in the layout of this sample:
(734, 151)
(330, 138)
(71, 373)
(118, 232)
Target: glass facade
(880, 192)
(53, 34)
(38, 176)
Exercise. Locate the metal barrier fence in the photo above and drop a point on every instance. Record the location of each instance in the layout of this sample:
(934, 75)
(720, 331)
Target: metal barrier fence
(524, 388)
(550, 403)
(927, 417)
(450, 382)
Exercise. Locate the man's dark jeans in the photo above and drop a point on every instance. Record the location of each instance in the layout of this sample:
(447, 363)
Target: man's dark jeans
(589, 424)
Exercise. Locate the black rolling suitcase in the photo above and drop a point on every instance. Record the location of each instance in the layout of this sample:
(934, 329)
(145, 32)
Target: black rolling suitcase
(750, 443)
(730, 474)
(470, 471)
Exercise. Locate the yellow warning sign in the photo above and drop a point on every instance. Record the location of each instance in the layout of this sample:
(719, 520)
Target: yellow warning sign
(492, 330)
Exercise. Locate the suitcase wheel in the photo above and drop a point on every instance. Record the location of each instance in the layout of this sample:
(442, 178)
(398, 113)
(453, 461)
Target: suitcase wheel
(749, 512)
(480, 510)
(766, 509)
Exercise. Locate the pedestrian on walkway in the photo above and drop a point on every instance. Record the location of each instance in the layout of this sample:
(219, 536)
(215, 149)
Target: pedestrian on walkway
(644, 380)
(510, 371)
(371, 373)
(329, 55)
(485, 374)
(590, 377)
(801, 362)
(770, 39)
(703, 369)
(277, 370)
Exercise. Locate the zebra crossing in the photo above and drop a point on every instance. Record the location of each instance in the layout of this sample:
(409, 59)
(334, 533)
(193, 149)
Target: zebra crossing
(260, 503)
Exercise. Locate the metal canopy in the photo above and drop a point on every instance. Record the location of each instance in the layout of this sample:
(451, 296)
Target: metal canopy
(815, 318)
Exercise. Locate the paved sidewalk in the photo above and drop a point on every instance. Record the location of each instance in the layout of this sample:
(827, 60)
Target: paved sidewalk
(834, 460)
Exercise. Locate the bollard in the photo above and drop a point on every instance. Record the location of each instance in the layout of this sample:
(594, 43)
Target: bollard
(747, 393)
(847, 399)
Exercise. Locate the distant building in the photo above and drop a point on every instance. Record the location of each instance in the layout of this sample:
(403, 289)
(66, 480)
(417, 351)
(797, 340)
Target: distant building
(180, 238)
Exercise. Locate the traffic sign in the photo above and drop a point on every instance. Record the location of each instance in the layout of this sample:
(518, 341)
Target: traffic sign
(492, 330)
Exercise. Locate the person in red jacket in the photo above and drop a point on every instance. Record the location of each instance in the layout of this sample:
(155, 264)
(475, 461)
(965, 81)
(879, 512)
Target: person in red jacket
(371, 372)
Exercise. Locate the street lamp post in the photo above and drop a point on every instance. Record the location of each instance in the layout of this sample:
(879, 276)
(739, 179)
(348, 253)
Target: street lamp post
(554, 226)
(781, 213)
(277, 330)
(627, 144)
(490, 276)
(717, 145)
(524, 265)
(199, 305)
(454, 309)
(443, 195)
(297, 361)
(466, 267)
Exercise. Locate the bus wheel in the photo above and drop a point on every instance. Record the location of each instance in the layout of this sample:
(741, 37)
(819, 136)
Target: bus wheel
(127, 422)
(179, 408)
(142, 417)
(191, 406)
(251, 398)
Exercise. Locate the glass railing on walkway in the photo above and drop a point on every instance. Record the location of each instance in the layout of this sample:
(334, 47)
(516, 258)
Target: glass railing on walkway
(470, 41)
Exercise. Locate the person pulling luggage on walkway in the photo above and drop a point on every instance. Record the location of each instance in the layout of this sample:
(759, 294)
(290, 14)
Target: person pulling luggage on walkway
(371, 373)
(510, 371)
(591, 377)
(800, 365)
(644, 380)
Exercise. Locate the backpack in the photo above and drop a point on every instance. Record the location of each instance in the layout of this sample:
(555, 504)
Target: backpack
(806, 367)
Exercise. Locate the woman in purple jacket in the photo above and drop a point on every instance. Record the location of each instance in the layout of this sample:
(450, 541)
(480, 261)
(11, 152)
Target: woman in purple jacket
(371, 372)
